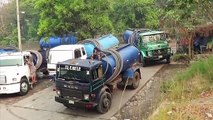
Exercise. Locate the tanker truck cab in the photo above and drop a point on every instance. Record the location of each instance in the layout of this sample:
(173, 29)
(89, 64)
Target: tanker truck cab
(79, 83)
(14, 73)
(154, 46)
(62, 53)
(89, 83)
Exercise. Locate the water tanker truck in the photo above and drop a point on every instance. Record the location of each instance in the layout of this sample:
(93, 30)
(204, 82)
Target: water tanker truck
(56, 41)
(89, 83)
(152, 44)
(82, 50)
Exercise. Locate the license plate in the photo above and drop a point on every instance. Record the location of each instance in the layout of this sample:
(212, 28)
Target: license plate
(71, 102)
(161, 56)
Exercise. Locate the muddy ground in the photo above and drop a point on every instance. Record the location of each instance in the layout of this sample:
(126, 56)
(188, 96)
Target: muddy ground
(13, 98)
(149, 97)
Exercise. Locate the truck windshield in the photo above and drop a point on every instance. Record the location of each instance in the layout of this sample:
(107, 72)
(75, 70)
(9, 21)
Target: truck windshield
(153, 38)
(56, 56)
(73, 73)
(10, 62)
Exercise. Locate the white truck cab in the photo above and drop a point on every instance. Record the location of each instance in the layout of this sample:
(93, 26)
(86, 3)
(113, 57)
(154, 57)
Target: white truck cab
(14, 73)
(62, 53)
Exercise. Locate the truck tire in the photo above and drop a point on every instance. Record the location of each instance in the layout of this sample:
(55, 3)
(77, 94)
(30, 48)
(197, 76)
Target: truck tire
(135, 80)
(120, 85)
(143, 62)
(66, 105)
(168, 60)
(24, 87)
(104, 103)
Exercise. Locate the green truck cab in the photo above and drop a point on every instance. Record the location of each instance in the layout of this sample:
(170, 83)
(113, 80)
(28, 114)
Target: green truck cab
(152, 44)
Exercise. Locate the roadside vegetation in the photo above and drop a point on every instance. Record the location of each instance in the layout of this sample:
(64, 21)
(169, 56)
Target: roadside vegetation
(180, 93)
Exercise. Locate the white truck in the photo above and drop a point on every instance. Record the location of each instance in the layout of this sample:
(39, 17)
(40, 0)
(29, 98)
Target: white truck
(62, 53)
(14, 73)
(83, 50)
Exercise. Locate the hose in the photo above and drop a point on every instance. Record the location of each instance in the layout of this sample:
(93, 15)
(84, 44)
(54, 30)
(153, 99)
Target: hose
(38, 60)
(132, 39)
(93, 41)
(118, 67)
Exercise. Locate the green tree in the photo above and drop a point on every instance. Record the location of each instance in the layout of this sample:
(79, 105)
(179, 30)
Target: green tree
(7, 24)
(184, 16)
(87, 18)
(29, 18)
(135, 14)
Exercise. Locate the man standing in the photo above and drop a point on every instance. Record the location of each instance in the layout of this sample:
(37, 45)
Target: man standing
(32, 72)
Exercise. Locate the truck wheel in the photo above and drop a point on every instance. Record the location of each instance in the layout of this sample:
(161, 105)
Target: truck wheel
(120, 85)
(135, 80)
(104, 103)
(143, 62)
(168, 60)
(66, 105)
(24, 86)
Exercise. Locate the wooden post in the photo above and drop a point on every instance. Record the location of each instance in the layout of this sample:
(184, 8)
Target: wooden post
(190, 46)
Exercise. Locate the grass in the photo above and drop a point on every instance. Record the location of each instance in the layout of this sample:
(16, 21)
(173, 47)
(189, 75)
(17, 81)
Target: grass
(185, 87)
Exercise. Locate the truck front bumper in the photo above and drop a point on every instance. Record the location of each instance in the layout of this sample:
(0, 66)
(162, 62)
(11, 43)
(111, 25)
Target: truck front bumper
(10, 88)
(75, 103)
(155, 58)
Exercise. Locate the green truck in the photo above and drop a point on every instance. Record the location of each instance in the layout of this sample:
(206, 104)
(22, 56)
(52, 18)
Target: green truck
(152, 44)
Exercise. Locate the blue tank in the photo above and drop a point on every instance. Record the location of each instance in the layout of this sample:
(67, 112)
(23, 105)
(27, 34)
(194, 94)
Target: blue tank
(8, 49)
(55, 41)
(131, 37)
(105, 42)
(126, 35)
(129, 54)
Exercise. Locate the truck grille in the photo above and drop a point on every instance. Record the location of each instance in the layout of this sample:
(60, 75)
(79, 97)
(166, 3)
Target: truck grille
(3, 79)
(72, 93)
(159, 52)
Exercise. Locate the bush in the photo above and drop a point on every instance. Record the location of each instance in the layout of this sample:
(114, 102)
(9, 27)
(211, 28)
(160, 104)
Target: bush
(181, 58)
(197, 78)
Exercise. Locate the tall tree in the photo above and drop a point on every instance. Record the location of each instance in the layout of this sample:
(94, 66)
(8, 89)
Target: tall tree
(8, 22)
(8, 31)
(135, 14)
(184, 16)
(87, 18)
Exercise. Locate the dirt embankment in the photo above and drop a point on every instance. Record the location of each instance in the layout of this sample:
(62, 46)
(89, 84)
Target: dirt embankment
(148, 98)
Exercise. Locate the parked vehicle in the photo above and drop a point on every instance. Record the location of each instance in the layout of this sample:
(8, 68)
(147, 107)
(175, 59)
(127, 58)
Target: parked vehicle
(89, 83)
(14, 73)
(8, 49)
(152, 44)
(56, 41)
(62, 53)
(82, 50)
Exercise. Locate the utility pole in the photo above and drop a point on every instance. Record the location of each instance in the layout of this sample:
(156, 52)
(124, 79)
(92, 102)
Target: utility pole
(18, 26)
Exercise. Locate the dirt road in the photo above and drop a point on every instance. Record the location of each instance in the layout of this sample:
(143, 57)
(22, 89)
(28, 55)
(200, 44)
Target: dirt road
(41, 105)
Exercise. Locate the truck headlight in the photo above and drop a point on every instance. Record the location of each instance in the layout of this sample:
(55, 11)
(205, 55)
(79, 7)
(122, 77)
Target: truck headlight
(86, 96)
(169, 50)
(149, 53)
(58, 92)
